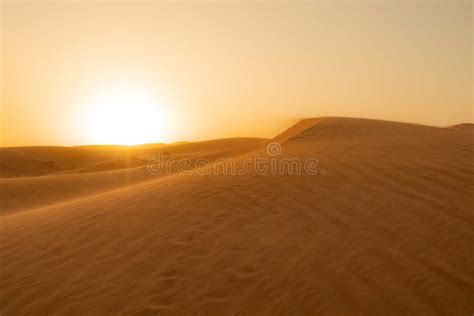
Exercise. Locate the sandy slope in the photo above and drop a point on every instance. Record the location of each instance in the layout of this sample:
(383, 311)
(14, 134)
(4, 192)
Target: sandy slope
(386, 227)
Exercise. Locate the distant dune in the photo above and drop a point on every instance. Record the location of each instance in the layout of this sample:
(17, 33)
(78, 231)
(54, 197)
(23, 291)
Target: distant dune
(386, 227)
(83, 172)
(46, 160)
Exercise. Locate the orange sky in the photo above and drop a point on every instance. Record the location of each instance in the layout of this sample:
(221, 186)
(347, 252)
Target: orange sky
(216, 70)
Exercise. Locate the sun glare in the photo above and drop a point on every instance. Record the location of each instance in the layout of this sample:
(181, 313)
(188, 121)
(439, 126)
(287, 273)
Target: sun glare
(125, 116)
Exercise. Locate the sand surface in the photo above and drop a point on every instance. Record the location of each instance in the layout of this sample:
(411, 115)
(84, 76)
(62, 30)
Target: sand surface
(385, 227)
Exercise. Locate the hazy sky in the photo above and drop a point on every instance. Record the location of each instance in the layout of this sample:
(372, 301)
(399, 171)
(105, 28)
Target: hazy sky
(217, 69)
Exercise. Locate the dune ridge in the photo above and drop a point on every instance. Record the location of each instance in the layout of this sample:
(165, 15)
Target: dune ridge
(386, 227)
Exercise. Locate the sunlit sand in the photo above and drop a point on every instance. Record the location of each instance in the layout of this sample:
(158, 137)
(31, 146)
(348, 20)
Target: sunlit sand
(385, 229)
(236, 158)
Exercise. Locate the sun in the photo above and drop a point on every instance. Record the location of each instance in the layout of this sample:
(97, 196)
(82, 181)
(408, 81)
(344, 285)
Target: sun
(125, 116)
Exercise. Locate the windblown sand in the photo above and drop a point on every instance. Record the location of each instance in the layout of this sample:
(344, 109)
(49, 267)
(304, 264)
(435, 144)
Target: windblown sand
(385, 227)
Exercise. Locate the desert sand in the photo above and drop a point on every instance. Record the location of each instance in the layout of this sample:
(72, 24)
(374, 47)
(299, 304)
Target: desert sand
(385, 227)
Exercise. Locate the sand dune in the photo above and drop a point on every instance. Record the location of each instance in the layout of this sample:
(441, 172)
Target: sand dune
(45, 160)
(386, 227)
(117, 170)
(465, 127)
